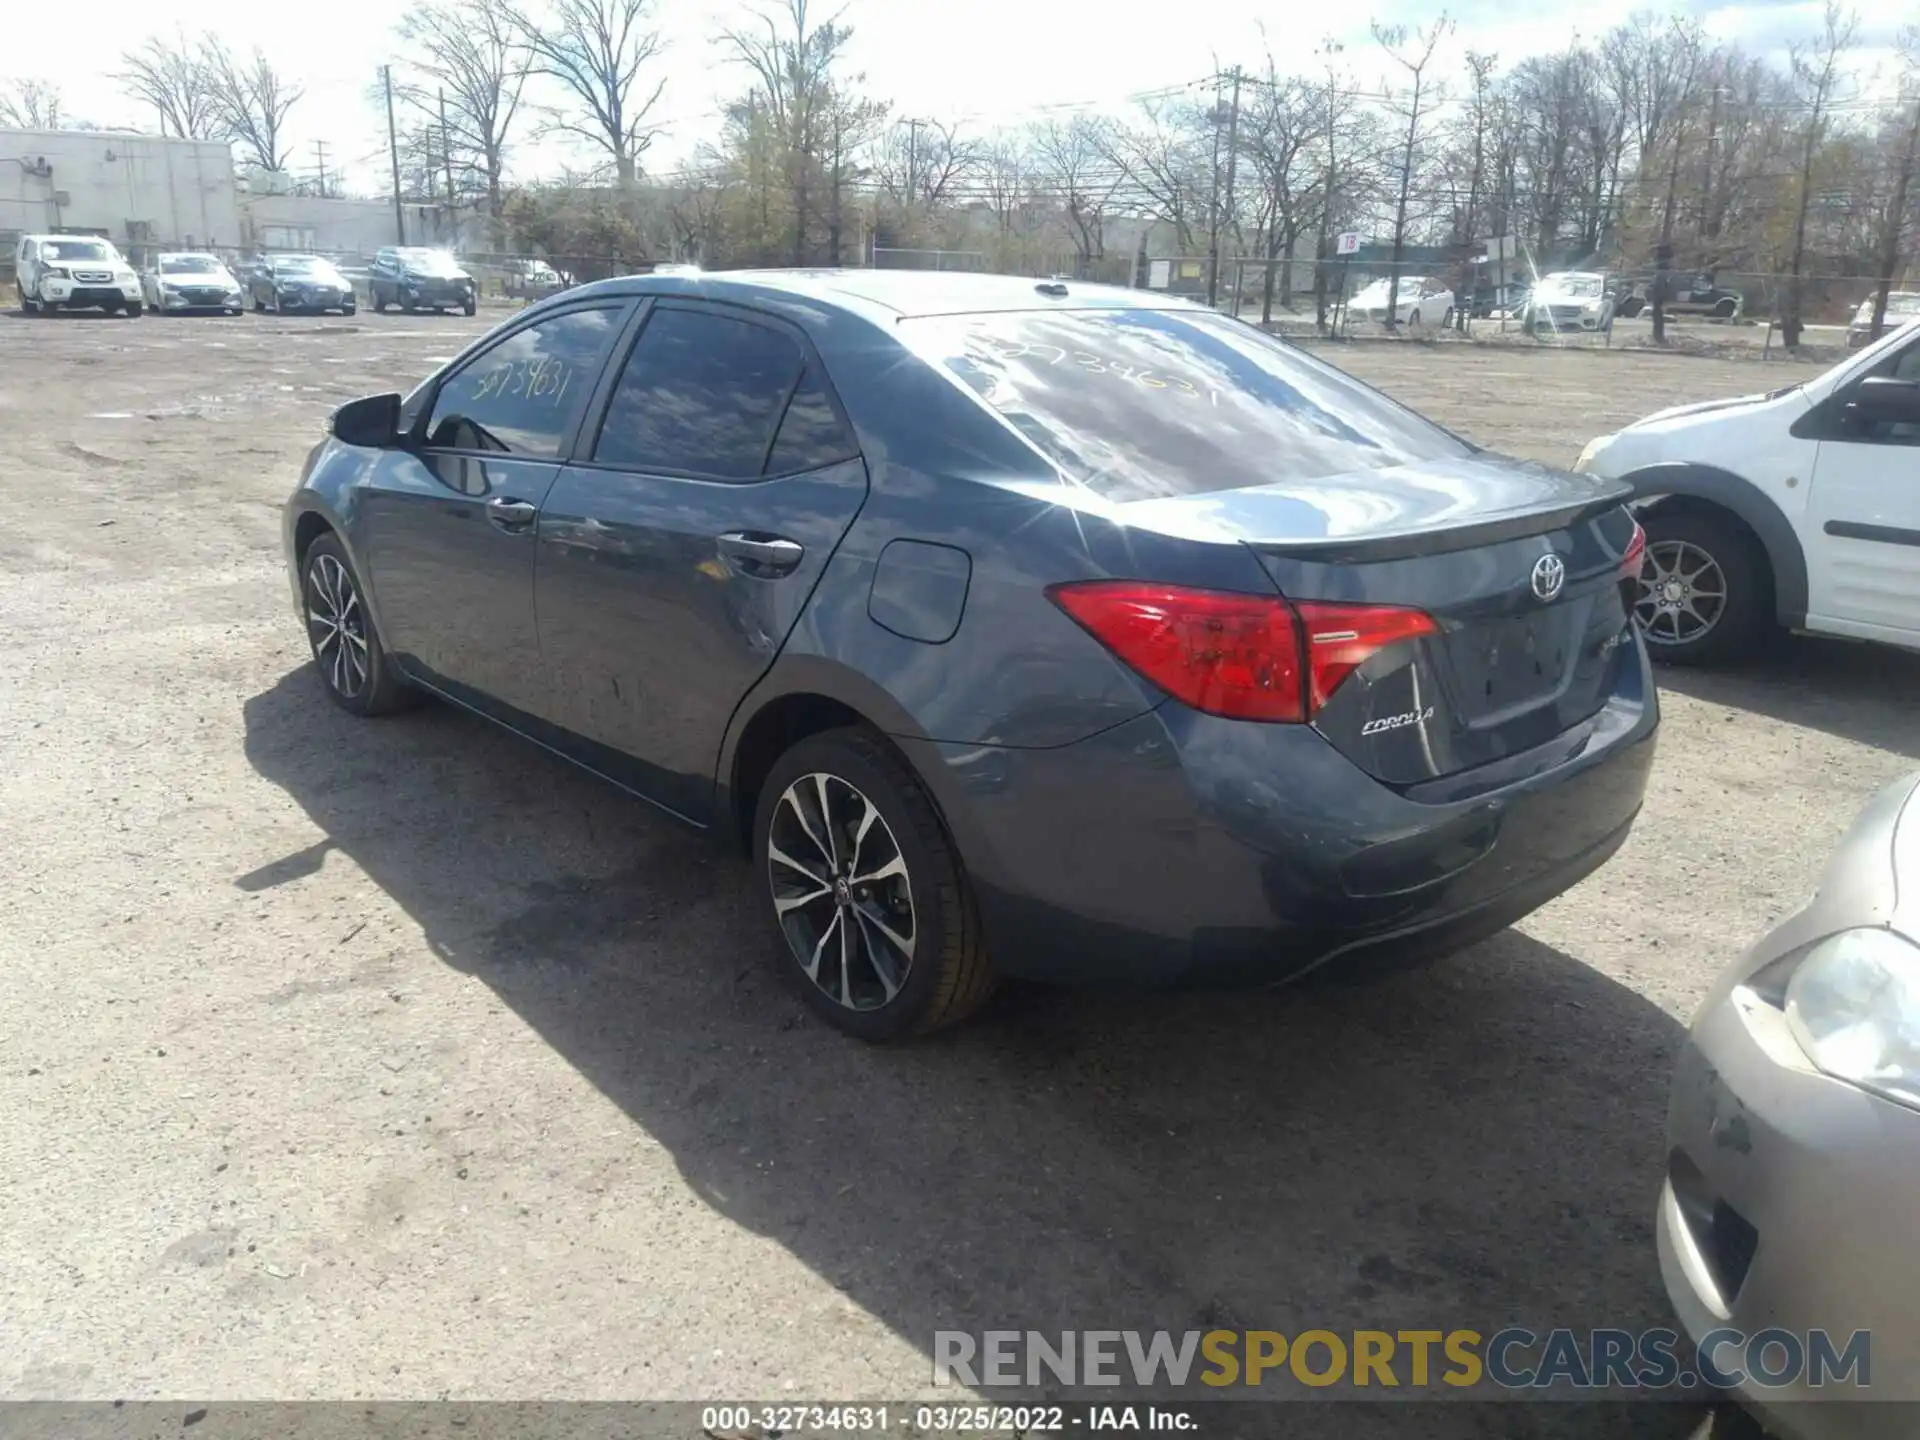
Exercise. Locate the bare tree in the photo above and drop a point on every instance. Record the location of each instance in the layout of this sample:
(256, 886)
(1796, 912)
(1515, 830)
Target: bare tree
(1413, 54)
(173, 79)
(1163, 165)
(1069, 164)
(927, 162)
(1278, 132)
(1004, 180)
(469, 69)
(600, 52)
(31, 104)
(1893, 223)
(811, 125)
(1816, 73)
(250, 101)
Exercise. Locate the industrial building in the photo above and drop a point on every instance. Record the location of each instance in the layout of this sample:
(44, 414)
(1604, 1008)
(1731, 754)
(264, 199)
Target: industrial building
(136, 190)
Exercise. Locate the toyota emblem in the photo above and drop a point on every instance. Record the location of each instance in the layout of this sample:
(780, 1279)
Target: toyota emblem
(1549, 574)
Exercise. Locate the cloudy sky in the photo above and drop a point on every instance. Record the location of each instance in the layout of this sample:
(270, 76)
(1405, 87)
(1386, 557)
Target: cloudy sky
(984, 61)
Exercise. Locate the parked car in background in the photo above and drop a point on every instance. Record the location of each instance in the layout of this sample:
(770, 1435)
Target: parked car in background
(530, 278)
(1041, 629)
(417, 278)
(1569, 300)
(1799, 507)
(1698, 296)
(74, 272)
(293, 283)
(1903, 308)
(1793, 1140)
(182, 282)
(1422, 300)
(1494, 300)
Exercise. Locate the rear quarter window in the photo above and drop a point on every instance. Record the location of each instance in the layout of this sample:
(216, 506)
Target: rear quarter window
(1141, 404)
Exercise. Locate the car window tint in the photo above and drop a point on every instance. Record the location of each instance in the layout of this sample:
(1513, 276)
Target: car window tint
(518, 396)
(700, 395)
(811, 434)
(1137, 404)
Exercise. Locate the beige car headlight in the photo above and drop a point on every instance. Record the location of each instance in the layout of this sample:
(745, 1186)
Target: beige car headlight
(1854, 1005)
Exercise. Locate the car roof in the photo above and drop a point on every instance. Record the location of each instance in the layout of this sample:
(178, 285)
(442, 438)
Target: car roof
(888, 295)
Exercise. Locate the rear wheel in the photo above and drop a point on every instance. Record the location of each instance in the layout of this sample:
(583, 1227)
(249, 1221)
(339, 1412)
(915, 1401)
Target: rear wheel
(470, 307)
(346, 646)
(1726, 309)
(1705, 588)
(879, 927)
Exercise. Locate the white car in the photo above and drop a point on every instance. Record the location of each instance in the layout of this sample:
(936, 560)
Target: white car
(1570, 300)
(1422, 301)
(1799, 507)
(1902, 306)
(180, 282)
(74, 272)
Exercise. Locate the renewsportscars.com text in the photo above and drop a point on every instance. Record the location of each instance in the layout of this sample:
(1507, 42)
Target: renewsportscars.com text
(1513, 1359)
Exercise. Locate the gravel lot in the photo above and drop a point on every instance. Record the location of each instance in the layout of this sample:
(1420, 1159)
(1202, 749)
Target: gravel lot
(400, 1060)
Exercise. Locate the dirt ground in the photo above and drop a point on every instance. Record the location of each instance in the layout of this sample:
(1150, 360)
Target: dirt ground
(399, 1060)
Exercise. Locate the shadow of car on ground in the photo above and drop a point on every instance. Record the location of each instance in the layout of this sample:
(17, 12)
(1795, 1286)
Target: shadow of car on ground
(1471, 1145)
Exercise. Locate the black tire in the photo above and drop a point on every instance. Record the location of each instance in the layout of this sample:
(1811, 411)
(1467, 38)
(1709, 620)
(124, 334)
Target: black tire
(1726, 309)
(471, 307)
(948, 975)
(379, 302)
(347, 310)
(329, 586)
(1744, 616)
(134, 309)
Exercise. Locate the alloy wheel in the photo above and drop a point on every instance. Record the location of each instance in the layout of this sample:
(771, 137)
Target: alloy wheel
(1683, 592)
(337, 625)
(841, 891)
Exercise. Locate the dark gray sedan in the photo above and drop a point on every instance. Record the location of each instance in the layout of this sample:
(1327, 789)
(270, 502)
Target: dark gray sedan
(290, 283)
(1017, 628)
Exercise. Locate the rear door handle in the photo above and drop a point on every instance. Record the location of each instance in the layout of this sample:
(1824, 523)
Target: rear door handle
(763, 555)
(512, 516)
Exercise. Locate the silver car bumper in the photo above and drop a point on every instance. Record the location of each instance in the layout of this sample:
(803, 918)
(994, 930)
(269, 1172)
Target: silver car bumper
(1790, 1196)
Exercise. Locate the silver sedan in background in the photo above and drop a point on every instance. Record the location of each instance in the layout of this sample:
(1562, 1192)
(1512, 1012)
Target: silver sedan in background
(1793, 1167)
(179, 282)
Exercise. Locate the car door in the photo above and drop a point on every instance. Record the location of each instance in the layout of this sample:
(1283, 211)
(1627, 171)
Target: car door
(446, 525)
(1863, 514)
(680, 546)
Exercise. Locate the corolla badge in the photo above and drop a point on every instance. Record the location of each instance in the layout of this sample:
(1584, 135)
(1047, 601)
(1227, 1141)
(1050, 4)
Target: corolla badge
(1549, 574)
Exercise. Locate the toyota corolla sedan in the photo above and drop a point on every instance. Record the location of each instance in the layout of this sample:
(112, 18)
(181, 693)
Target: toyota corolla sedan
(1794, 1142)
(1016, 628)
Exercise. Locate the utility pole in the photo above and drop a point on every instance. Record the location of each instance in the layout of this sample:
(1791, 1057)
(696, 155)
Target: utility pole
(393, 153)
(1707, 228)
(1233, 151)
(320, 165)
(1213, 202)
(913, 160)
(446, 153)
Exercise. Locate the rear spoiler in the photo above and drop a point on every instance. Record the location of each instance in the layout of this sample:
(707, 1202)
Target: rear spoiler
(1403, 544)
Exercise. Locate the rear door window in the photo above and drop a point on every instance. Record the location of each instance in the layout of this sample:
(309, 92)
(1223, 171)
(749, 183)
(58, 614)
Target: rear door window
(701, 395)
(1140, 404)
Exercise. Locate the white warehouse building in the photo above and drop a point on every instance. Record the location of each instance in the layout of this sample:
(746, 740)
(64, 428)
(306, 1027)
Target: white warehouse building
(137, 190)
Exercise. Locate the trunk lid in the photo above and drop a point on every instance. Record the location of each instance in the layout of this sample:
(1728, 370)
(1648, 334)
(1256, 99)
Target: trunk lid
(1517, 564)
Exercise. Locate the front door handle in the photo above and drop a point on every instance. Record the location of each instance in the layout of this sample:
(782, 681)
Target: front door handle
(513, 516)
(761, 555)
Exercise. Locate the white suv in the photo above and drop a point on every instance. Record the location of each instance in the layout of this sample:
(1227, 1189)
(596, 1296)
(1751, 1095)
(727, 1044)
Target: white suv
(74, 272)
(1800, 507)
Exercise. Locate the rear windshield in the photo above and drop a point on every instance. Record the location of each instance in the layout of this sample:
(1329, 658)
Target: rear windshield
(1138, 404)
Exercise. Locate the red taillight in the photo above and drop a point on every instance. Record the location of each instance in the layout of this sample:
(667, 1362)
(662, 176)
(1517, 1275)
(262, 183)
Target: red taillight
(1236, 655)
(1635, 553)
(1340, 637)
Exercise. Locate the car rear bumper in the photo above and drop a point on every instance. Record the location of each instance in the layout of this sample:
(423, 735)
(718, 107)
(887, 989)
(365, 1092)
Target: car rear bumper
(1181, 849)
